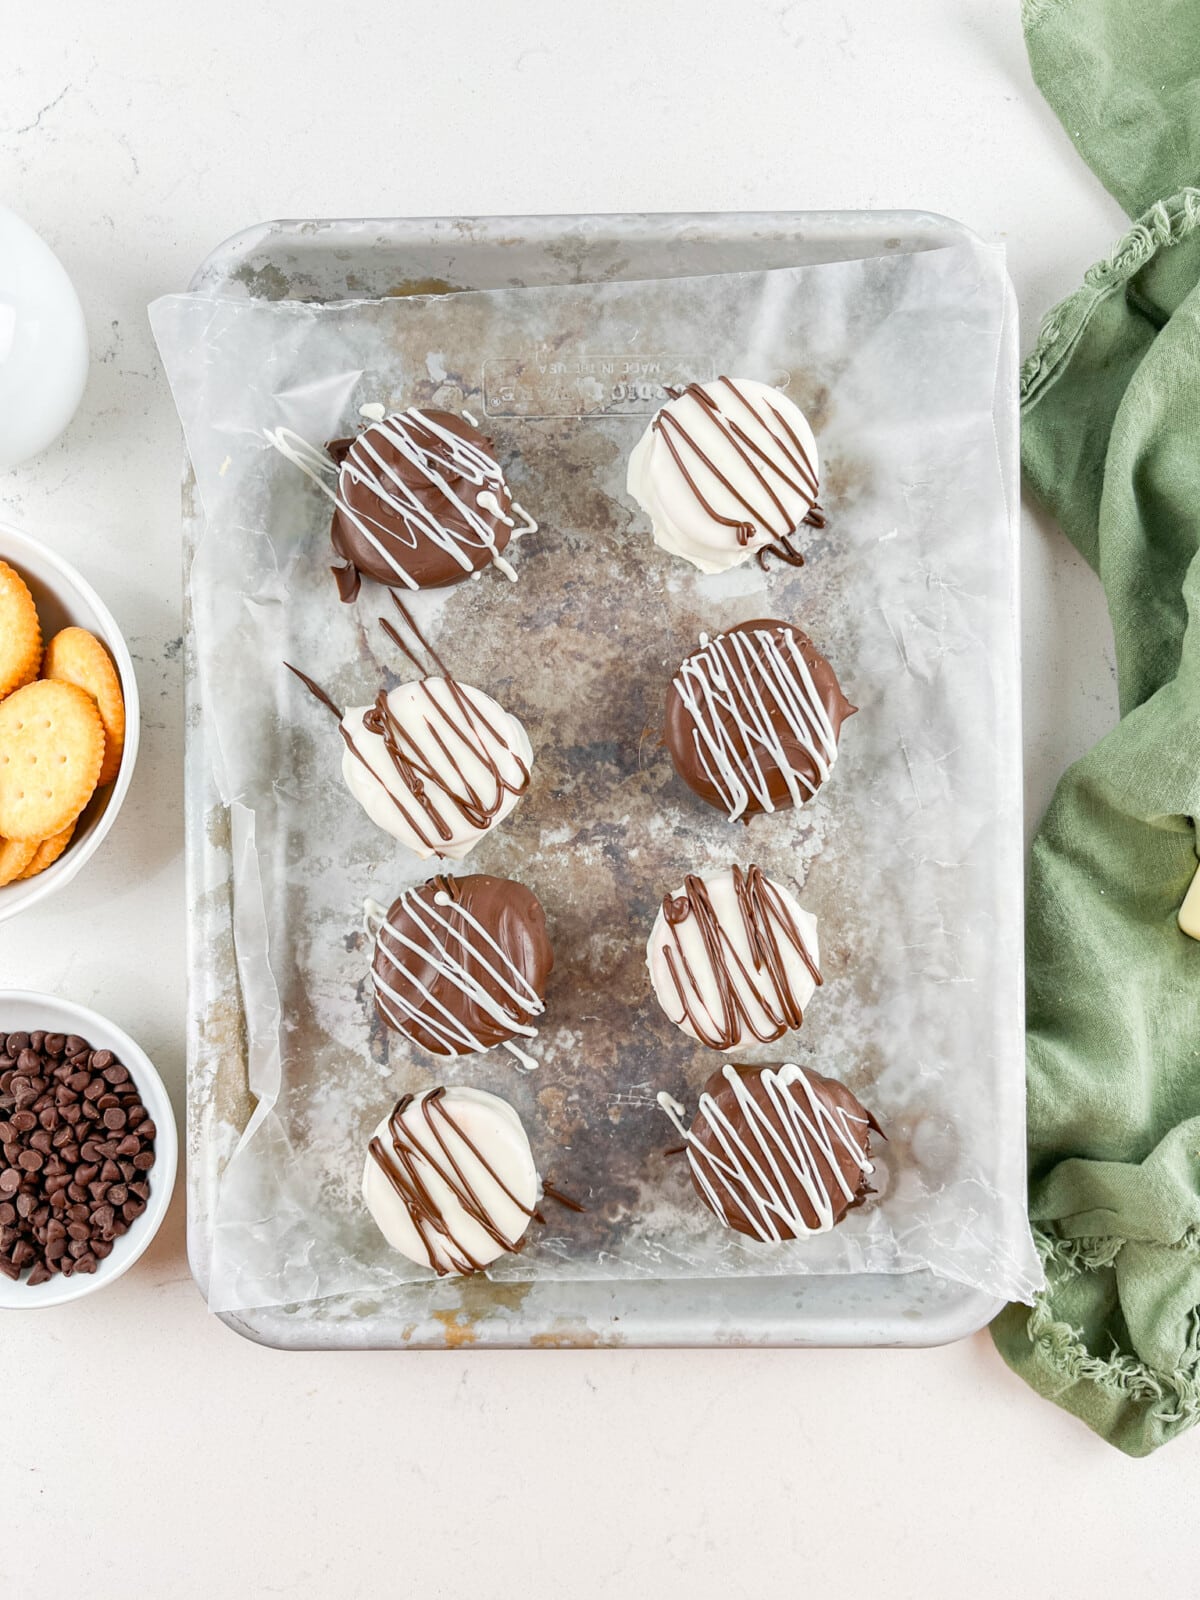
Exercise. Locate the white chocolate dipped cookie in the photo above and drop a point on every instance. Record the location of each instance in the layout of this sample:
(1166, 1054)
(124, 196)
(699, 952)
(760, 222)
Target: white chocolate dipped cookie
(450, 1179)
(733, 958)
(725, 471)
(434, 762)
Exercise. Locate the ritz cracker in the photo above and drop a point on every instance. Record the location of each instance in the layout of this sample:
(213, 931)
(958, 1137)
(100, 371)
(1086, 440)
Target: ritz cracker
(62, 731)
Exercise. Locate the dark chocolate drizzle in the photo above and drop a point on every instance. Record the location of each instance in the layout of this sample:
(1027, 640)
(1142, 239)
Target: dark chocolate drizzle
(411, 625)
(418, 774)
(413, 766)
(549, 1192)
(795, 470)
(766, 920)
(402, 1168)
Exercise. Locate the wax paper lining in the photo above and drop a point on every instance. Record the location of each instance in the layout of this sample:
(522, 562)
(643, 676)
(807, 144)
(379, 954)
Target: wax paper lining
(910, 855)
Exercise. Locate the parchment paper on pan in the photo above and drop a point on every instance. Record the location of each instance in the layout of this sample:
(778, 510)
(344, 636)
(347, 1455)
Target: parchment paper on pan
(910, 854)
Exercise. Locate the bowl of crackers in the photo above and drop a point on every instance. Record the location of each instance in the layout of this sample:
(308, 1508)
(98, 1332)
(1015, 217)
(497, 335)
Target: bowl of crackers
(68, 722)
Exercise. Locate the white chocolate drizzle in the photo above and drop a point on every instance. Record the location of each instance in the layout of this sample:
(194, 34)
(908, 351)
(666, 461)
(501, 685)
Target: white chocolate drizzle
(781, 1158)
(404, 999)
(442, 458)
(745, 693)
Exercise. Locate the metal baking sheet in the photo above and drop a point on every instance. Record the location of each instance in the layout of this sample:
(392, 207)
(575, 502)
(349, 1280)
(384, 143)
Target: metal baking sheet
(357, 260)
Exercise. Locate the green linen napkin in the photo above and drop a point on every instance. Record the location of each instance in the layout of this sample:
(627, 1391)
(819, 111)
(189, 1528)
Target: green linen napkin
(1111, 445)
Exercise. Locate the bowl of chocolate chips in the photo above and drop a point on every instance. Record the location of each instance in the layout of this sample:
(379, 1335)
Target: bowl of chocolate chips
(88, 1151)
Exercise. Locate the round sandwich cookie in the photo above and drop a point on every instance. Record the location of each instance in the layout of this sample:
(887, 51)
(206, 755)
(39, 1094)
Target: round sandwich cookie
(753, 719)
(420, 499)
(450, 1179)
(434, 762)
(733, 958)
(777, 1152)
(461, 965)
(725, 471)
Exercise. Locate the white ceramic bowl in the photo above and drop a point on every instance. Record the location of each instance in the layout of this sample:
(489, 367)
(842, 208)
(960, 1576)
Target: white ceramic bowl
(25, 1012)
(63, 598)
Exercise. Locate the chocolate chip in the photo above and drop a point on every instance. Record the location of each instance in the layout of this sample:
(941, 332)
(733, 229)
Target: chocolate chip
(75, 1144)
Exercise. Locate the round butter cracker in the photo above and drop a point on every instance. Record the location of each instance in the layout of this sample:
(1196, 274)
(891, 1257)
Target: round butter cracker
(51, 749)
(20, 632)
(15, 857)
(47, 853)
(77, 656)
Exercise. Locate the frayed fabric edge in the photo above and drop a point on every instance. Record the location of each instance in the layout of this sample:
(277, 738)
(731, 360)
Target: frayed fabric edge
(1166, 223)
(1063, 1349)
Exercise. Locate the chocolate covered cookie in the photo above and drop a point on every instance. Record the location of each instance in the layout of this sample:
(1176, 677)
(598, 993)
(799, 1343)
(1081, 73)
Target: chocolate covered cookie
(461, 965)
(753, 719)
(777, 1152)
(420, 499)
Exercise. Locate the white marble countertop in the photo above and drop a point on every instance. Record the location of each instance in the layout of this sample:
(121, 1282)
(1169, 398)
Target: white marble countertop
(148, 1450)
